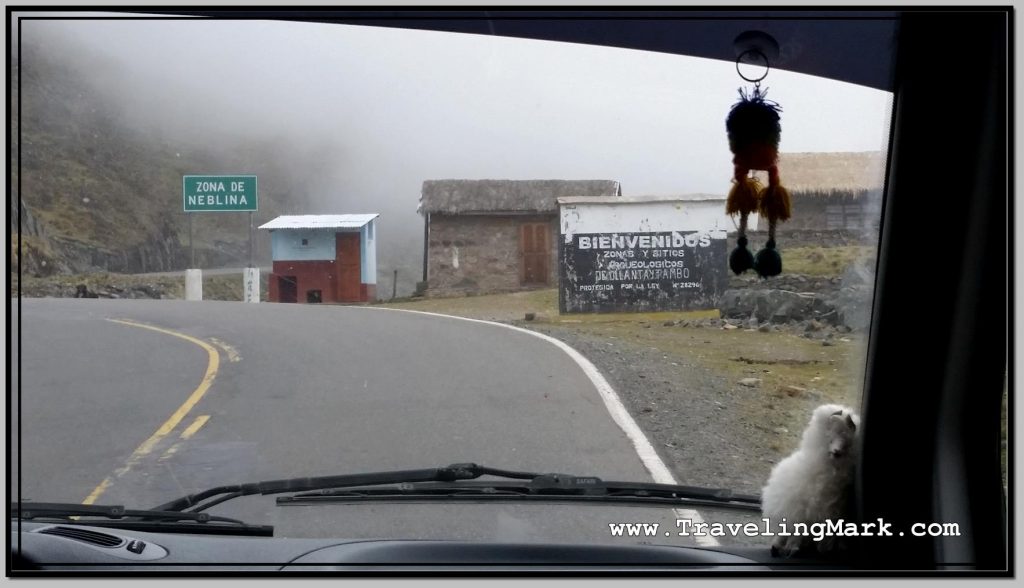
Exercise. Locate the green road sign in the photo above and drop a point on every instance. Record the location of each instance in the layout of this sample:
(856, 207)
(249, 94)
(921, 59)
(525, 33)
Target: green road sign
(219, 193)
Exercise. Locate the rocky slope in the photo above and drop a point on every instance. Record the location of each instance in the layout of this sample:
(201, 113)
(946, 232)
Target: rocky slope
(92, 191)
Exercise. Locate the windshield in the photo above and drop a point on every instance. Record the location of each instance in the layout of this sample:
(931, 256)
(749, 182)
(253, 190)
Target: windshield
(246, 250)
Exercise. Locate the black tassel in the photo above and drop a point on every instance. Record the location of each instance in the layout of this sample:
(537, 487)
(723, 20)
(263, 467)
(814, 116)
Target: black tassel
(740, 260)
(768, 262)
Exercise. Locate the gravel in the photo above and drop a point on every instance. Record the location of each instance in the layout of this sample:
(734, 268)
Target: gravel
(708, 431)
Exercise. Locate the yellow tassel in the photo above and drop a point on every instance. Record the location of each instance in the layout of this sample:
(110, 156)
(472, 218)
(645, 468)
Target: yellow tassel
(774, 203)
(743, 196)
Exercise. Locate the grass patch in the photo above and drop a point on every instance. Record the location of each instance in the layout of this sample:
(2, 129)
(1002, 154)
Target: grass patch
(780, 360)
(223, 288)
(171, 286)
(542, 303)
(230, 287)
(635, 318)
(29, 242)
(32, 247)
(496, 307)
(215, 287)
(825, 261)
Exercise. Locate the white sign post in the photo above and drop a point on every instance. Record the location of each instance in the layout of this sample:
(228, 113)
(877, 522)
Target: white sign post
(193, 284)
(252, 284)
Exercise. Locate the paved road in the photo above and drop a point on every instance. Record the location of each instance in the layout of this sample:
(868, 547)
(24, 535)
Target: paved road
(300, 390)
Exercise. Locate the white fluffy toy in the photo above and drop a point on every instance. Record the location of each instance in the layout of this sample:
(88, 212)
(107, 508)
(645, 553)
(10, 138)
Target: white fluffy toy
(813, 484)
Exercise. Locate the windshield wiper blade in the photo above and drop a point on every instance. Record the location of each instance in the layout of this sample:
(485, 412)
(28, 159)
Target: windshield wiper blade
(33, 510)
(461, 471)
(457, 479)
(545, 488)
(141, 520)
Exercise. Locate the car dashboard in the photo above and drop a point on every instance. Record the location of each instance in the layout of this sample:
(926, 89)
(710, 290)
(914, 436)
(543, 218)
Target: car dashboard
(74, 547)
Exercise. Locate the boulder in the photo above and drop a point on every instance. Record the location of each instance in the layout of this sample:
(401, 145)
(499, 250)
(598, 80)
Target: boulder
(858, 273)
(850, 307)
(853, 306)
(776, 306)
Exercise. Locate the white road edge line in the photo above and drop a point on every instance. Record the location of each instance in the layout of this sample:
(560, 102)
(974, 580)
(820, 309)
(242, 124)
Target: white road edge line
(657, 468)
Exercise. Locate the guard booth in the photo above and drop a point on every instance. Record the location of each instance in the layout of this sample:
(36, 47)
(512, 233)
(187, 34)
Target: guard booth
(323, 258)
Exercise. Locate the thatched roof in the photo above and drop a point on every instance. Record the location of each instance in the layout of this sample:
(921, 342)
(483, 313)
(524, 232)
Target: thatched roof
(507, 196)
(829, 172)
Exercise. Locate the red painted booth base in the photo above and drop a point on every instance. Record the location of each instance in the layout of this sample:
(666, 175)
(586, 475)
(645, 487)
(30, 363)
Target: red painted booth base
(315, 282)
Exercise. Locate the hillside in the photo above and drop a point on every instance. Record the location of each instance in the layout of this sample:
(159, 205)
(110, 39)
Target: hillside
(98, 183)
(98, 192)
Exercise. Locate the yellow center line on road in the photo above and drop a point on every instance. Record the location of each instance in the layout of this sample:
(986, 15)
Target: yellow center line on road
(165, 429)
(233, 355)
(195, 426)
(185, 436)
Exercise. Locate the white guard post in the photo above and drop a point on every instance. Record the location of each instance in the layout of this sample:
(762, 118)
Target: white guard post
(193, 284)
(251, 284)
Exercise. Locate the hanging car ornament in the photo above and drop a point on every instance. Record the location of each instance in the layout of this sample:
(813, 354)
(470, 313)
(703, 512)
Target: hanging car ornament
(753, 128)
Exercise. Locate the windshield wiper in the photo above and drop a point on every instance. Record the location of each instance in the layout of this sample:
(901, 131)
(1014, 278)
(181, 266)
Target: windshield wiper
(455, 483)
(542, 488)
(139, 520)
(461, 471)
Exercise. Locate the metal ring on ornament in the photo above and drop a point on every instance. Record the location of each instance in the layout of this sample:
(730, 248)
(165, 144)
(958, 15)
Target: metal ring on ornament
(752, 52)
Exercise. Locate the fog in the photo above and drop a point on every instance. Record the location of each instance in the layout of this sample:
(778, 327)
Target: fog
(364, 115)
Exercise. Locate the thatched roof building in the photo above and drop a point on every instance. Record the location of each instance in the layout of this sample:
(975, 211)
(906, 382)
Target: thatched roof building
(833, 190)
(824, 173)
(506, 196)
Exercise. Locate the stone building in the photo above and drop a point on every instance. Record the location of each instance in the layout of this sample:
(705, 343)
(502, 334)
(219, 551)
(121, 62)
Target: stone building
(490, 236)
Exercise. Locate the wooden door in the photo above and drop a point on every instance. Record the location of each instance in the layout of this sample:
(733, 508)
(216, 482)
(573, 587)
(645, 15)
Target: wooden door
(287, 288)
(534, 253)
(347, 262)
